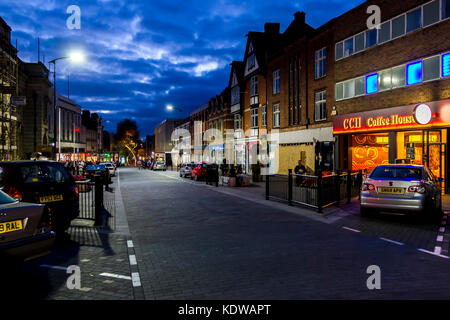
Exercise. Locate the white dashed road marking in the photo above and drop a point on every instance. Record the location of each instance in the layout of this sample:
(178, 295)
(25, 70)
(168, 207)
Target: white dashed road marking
(133, 261)
(136, 279)
(130, 244)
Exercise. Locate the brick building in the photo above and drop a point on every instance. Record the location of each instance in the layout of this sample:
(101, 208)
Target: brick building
(383, 75)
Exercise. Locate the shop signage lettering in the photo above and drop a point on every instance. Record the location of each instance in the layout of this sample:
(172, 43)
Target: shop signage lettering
(393, 118)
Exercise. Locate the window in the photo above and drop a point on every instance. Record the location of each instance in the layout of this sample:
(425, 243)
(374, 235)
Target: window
(321, 105)
(235, 95)
(385, 32)
(276, 82)
(414, 20)
(349, 89)
(398, 77)
(431, 68)
(372, 83)
(359, 42)
(320, 63)
(431, 13)
(398, 26)
(384, 79)
(348, 47)
(276, 115)
(254, 86)
(254, 121)
(360, 84)
(339, 50)
(264, 116)
(445, 9)
(371, 38)
(446, 65)
(251, 61)
(414, 73)
(339, 91)
(237, 122)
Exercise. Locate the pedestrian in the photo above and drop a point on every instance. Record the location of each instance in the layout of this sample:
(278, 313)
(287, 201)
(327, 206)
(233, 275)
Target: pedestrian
(299, 170)
(239, 176)
(139, 164)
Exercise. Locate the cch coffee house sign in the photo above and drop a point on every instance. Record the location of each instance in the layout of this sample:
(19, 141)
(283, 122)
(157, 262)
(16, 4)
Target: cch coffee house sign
(416, 116)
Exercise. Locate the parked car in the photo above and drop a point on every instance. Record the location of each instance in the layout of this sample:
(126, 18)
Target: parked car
(25, 229)
(43, 182)
(402, 188)
(199, 172)
(186, 168)
(93, 170)
(159, 165)
(111, 168)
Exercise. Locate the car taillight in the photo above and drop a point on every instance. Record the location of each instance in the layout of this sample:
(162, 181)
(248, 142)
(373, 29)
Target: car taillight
(367, 187)
(14, 193)
(46, 219)
(417, 188)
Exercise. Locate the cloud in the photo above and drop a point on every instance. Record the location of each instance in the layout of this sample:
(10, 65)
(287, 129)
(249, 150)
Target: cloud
(142, 55)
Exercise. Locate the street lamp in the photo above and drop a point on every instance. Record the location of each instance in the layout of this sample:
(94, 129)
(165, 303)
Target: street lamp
(76, 57)
(170, 107)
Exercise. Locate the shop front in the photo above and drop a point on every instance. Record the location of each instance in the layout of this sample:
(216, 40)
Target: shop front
(412, 134)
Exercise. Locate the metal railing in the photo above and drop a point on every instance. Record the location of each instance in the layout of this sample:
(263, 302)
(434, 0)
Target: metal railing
(90, 200)
(317, 192)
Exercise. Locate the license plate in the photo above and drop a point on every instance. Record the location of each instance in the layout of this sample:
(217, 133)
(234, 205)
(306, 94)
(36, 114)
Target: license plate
(11, 226)
(390, 190)
(52, 198)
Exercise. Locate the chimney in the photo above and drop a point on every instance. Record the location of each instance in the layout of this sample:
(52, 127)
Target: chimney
(272, 28)
(299, 17)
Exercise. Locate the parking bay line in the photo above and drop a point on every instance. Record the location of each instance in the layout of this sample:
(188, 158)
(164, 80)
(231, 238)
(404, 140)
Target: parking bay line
(434, 253)
(113, 275)
(133, 261)
(53, 267)
(392, 241)
(130, 244)
(354, 230)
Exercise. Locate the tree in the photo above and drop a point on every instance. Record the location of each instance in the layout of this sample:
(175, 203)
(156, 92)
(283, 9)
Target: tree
(127, 137)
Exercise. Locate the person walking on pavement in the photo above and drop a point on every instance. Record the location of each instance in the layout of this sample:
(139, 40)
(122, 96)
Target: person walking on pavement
(139, 164)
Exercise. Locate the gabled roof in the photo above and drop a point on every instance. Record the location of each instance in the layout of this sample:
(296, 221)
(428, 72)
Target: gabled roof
(238, 68)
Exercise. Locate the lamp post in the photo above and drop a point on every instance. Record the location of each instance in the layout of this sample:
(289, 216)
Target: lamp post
(76, 57)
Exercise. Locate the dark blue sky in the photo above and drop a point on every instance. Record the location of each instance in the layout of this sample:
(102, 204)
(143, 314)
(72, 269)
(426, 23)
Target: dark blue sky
(142, 55)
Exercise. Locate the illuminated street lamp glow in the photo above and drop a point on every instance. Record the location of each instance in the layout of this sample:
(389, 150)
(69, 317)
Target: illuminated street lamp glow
(77, 57)
(169, 107)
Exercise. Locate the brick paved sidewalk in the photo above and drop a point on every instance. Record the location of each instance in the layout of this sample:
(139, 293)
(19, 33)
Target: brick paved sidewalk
(101, 253)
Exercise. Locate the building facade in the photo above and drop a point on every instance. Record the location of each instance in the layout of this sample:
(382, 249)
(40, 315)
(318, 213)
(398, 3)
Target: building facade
(392, 86)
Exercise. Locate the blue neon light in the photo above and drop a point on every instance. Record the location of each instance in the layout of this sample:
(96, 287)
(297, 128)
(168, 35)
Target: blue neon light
(446, 65)
(414, 73)
(372, 83)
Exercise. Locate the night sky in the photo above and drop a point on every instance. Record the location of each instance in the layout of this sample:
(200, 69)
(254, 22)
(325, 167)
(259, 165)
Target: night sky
(142, 55)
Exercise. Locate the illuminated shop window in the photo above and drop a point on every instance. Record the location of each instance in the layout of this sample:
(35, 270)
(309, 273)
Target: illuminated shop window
(414, 73)
(446, 65)
(372, 83)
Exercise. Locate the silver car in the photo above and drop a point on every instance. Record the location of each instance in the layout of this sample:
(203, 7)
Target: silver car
(111, 168)
(403, 188)
(159, 165)
(25, 229)
(186, 168)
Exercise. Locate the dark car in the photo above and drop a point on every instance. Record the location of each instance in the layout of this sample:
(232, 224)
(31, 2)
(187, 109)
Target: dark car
(25, 229)
(101, 170)
(43, 182)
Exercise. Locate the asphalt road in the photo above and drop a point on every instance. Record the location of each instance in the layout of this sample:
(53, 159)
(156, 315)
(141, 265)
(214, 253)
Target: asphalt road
(193, 242)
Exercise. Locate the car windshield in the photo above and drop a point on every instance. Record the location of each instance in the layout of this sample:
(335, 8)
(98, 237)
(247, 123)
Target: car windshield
(42, 172)
(397, 173)
(160, 163)
(5, 199)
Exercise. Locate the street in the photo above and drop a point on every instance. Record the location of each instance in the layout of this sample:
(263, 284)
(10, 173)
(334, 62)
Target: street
(193, 241)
